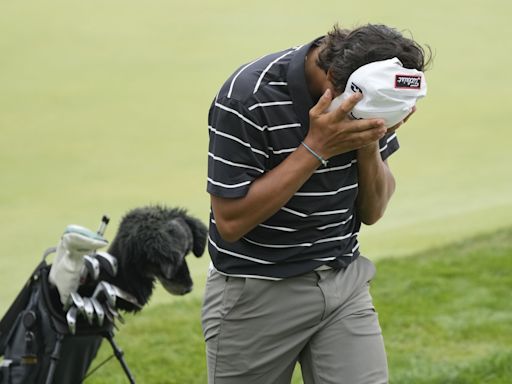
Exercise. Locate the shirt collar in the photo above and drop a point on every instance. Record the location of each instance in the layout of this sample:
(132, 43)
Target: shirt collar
(299, 92)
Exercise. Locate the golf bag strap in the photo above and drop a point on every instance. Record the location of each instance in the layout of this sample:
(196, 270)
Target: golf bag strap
(48, 252)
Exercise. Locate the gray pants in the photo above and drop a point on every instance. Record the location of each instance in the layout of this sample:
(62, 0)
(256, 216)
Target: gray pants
(256, 330)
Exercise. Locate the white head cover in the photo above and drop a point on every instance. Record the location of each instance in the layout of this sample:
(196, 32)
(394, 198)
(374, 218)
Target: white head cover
(66, 270)
(389, 91)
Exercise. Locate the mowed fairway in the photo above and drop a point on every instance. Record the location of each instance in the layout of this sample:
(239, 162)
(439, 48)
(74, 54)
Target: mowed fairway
(103, 107)
(435, 332)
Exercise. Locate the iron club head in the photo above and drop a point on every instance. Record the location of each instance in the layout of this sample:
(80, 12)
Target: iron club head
(76, 300)
(100, 313)
(114, 313)
(71, 319)
(104, 291)
(107, 262)
(126, 296)
(109, 315)
(92, 267)
(89, 310)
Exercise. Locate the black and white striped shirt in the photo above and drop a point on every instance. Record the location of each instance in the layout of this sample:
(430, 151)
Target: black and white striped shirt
(257, 119)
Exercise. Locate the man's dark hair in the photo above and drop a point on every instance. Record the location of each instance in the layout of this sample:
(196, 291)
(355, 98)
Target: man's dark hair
(343, 51)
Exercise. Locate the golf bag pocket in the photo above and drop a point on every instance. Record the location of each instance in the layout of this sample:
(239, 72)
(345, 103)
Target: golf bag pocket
(37, 332)
(23, 352)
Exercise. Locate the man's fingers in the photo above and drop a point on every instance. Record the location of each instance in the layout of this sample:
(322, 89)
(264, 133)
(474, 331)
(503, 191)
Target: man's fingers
(360, 139)
(355, 126)
(322, 104)
(342, 111)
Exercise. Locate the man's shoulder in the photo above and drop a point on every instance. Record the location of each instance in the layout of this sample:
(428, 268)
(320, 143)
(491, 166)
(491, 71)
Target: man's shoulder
(250, 79)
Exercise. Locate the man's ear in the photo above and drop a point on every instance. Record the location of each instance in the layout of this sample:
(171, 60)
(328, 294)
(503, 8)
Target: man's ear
(199, 233)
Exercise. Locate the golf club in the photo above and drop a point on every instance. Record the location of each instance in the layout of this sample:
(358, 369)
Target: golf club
(114, 313)
(71, 319)
(103, 226)
(105, 290)
(108, 314)
(100, 313)
(108, 262)
(92, 268)
(76, 299)
(125, 296)
(89, 310)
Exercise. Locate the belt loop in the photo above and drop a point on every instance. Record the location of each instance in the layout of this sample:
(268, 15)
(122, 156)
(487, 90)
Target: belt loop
(227, 278)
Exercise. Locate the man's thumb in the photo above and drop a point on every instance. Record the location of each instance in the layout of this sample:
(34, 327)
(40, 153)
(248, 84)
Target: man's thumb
(322, 104)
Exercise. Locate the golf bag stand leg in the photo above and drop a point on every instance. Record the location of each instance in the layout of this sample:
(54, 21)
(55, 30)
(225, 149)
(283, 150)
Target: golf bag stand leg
(119, 355)
(54, 359)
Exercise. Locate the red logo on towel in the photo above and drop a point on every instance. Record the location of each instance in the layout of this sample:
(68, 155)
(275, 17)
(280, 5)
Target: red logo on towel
(408, 81)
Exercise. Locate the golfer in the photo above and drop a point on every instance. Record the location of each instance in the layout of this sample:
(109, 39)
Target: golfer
(291, 180)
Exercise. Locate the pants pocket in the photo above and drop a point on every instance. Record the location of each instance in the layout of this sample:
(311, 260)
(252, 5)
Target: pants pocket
(368, 269)
(221, 295)
(363, 323)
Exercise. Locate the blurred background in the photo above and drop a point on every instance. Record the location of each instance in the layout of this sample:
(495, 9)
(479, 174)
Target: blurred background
(103, 108)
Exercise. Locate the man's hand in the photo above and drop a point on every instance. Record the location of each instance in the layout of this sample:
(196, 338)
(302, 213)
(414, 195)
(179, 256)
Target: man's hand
(334, 133)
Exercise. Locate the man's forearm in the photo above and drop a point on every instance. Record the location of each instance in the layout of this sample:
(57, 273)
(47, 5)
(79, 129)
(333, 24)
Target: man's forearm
(267, 194)
(376, 184)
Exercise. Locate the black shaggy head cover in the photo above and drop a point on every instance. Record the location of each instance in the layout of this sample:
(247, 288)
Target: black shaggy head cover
(151, 243)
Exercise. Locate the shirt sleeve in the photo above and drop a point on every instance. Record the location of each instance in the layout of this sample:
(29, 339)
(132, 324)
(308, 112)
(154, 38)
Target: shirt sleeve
(237, 150)
(388, 145)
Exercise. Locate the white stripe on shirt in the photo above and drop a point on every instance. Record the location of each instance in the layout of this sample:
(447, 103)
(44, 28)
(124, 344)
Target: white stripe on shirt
(329, 239)
(230, 137)
(238, 74)
(268, 68)
(283, 229)
(321, 213)
(247, 276)
(269, 104)
(326, 240)
(238, 165)
(339, 168)
(326, 258)
(329, 193)
(279, 151)
(335, 224)
(278, 245)
(236, 113)
(228, 252)
(228, 185)
(284, 126)
(387, 142)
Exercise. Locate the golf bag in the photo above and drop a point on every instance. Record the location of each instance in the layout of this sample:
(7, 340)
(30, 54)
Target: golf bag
(35, 341)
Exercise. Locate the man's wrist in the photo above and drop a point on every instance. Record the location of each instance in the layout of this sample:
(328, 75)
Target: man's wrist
(316, 155)
(370, 150)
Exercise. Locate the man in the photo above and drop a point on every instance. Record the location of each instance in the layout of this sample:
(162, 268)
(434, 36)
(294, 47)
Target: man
(290, 185)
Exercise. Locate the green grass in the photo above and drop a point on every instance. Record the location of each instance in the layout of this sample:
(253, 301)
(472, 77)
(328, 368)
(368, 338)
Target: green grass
(446, 316)
(103, 108)
(446, 313)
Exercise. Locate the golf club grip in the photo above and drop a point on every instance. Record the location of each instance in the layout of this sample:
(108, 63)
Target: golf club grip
(103, 226)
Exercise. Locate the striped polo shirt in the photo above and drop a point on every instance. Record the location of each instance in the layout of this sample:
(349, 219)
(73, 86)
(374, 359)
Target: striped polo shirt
(259, 117)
